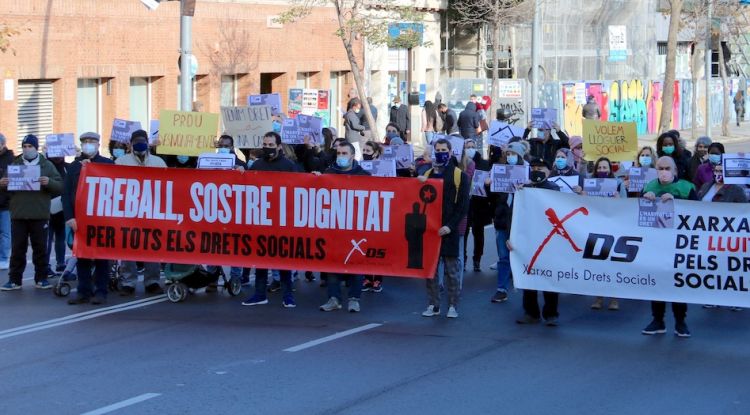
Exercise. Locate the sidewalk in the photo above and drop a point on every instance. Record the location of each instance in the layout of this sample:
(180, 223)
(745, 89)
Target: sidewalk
(736, 135)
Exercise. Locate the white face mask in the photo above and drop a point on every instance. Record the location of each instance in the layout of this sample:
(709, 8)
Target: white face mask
(89, 149)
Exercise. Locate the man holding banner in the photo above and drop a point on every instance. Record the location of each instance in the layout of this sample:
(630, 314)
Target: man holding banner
(273, 160)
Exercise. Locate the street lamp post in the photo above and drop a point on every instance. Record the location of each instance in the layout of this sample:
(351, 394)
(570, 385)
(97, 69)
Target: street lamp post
(186, 40)
(535, 49)
(708, 58)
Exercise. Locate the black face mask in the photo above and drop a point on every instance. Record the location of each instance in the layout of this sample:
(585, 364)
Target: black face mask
(269, 153)
(537, 176)
(367, 157)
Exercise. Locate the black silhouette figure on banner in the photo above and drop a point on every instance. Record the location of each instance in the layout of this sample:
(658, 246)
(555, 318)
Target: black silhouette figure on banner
(416, 226)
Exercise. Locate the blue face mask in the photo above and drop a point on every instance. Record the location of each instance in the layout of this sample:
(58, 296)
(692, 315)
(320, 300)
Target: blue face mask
(714, 159)
(223, 150)
(140, 147)
(118, 152)
(644, 161)
(343, 162)
(441, 159)
(276, 126)
(668, 150)
(183, 159)
(471, 152)
(250, 163)
(512, 159)
(561, 163)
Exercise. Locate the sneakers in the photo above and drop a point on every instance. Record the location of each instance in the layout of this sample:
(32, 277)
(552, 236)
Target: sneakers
(432, 310)
(527, 319)
(51, 273)
(60, 268)
(493, 266)
(551, 322)
(309, 276)
(256, 300)
(43, 285)
(477, 266)
(354, 305)
(366, 285)
(10, 286)
(274, 287)
(681, 329)
(655, 327)
(499, 297)
(735, 308)
(79, 300)
(709, 306)
(288, 302)
(332, 305)
(154, 289)
(598, 303)
(377, 286)
(613, 305)
(452, 313)
(98, 299)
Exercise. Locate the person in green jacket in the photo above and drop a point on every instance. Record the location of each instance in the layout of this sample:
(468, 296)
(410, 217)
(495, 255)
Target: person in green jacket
(29, 216)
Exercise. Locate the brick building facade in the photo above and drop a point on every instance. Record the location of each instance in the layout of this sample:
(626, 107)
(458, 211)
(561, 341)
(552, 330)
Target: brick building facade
(82, 63)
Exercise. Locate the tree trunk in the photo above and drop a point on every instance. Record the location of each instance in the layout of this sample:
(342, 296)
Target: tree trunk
(669, 73)
(693, 96)
(724, 94)
(495, 72)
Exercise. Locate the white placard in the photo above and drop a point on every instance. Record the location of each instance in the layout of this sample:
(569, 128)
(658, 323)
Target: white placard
(60, 145)
(379, 168)
(566, 183)
(22, 178)
(736, 168)
(505, 178)
(216, 161)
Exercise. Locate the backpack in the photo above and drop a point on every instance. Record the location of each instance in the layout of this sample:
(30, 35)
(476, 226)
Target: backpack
(456, 180)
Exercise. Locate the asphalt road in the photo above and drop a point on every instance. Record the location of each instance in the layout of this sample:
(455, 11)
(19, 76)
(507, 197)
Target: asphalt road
(211, 355)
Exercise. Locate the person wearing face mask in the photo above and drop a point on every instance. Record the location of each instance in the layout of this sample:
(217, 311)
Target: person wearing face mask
(667, 145)
(668, 186)
(579, 162)
(545, 145)
(700, 155)
(502, 206)
(56, 228)
(480, 208)
(354, 131)
(371, 151)
(705, 174)
(225, 145)
(540, 172)
(450, 120)
(183, 162)
(345, 165)
(140, 156)
(564, 166)
(117, 149)
(29, 215)
(86, 293)
(6, 158)
(392, 131)
(456, 187)
(273, 160)
(644, 159)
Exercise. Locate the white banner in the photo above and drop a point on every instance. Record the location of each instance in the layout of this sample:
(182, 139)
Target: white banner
(594, 246)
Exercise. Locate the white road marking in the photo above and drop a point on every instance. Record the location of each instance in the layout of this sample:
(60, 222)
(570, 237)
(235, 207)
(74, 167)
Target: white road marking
(332, 337)
(74, 318)
(122, 404)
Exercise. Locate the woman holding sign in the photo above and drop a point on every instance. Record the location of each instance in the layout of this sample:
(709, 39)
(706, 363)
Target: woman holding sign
(565, 166)
(705, 172)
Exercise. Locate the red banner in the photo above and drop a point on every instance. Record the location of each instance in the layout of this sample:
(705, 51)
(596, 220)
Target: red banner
(298, 221)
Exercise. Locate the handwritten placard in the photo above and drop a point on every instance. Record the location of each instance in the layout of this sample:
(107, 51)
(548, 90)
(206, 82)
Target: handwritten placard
(187, 133)
(247, 125)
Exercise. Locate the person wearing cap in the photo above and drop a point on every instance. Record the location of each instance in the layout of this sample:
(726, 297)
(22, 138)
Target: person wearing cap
(591, 109)
(86, 293)
(139, 156)
(29, 216)
(540, 171)
(6, 158)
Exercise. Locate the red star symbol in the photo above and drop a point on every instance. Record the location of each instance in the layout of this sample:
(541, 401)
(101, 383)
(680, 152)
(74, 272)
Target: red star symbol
(427, 194)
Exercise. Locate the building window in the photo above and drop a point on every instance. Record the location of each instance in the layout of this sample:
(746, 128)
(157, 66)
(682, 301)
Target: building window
(87, 106)
(303, 80)
(140, 101)
(228, 90)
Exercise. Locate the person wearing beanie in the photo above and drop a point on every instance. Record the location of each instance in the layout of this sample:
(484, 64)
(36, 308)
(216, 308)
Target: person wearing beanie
(139, 156)
(705, 172)
(579, 156)
(519, 149)
(6, 158)
(700, 155)
(90, 142)
(29, 215)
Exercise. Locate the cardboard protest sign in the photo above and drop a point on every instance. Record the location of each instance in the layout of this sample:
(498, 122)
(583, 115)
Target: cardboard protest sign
(380, 168)
(618, 141)
(22, 178)
(543, 117)
(477, 183)
(500, 133)
(122, 130)
(403, 154)
(247, 125)
(187, 133)
(736, 168)
(638, 177)
(273, 99)
(656, 214)
(60, 145)
(216, 161)
(271, 220)
(505, 177)
(294, 130)
(600, 187)
(566, 183)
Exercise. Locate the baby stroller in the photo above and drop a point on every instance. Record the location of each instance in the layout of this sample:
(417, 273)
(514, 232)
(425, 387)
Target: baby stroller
(187, 278)
(69, 276)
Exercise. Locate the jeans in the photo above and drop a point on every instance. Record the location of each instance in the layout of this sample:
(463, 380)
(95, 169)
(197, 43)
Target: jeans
(429, 136)
(334, 285)
(451, 282)
(261, 282)
(56, 239)
(151, 274)
(459, 271)
(4, 235)
(503, 261)
(22, 231)
(101, 277)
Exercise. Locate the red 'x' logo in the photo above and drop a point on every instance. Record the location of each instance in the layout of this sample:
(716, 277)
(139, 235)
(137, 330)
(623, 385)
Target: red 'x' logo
(557, 229)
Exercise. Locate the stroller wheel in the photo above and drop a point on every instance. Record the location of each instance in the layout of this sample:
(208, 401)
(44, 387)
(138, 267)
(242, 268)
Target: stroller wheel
(62, 290)
(177, 292)
(235, 286)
